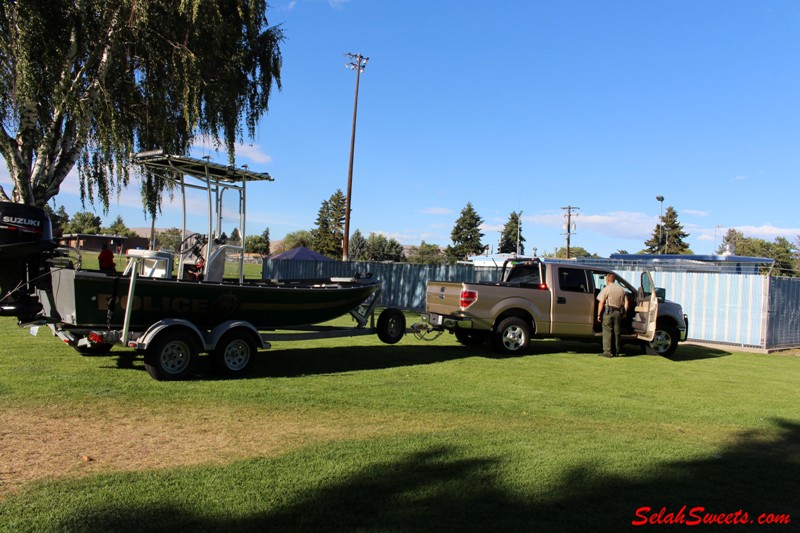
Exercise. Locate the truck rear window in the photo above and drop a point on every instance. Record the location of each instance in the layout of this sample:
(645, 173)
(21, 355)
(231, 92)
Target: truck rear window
(525, 275)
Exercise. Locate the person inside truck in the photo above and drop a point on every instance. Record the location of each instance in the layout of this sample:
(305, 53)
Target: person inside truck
(613, 305)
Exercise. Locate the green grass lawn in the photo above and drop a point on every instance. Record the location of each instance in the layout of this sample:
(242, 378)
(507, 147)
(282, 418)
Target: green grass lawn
(354, 435)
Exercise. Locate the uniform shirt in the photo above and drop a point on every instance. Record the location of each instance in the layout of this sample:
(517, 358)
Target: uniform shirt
(612, 295)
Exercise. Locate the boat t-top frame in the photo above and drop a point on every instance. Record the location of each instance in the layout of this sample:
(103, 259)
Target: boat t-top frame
(214, 179)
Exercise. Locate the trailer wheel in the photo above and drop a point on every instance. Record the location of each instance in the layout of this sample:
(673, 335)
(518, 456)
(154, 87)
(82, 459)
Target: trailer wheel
(234, 355)
(512, 336)
(391, 325)
(171, 356)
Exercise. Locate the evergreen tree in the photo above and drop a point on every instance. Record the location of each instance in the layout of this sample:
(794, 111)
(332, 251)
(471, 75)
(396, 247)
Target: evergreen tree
(508, 237)
(235, 237)
(381, 248)
(169, 239)
(255, 244)
(466, 235)
(574, 251)
(297, 238)
(425, 254)
(118, 227)
(780, 250)
(358, 247)
(328, 234)
(265, 236)
(58, 219)
(83, 222)
(668, 236)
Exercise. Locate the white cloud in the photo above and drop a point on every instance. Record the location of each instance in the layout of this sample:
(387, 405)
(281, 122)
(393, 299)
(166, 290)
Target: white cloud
(695, 212)
(739, 178)
(436, 211)
(767, 231)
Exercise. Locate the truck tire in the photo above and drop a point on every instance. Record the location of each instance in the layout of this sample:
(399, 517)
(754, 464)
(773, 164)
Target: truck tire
(391, 325)
(665, 341)
(471, 338)
(171, 356)
(234, 355)
(512, 336)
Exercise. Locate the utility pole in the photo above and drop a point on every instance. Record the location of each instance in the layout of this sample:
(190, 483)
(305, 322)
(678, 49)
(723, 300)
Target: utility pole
(570, 225)
(357, 63)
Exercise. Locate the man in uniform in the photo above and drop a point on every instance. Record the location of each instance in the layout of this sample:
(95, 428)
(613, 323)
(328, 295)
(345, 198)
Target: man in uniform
(613, 304)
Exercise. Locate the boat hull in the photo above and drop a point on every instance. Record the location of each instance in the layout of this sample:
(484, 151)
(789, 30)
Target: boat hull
(89, 299)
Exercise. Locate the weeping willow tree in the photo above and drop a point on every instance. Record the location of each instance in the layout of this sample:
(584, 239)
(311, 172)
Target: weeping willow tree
(90, 82)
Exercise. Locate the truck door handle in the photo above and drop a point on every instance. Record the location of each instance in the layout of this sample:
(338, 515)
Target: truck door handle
(561, 300)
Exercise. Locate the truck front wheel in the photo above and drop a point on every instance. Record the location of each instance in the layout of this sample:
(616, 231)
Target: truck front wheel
(665, 341)
(512, 336)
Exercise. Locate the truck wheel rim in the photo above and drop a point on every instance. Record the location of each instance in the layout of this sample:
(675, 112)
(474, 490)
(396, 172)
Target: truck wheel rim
(237, 354)
(175, 357)
(512, 338)
(661, 342)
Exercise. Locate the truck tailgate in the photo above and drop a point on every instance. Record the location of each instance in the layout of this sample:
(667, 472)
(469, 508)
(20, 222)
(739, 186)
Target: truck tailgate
(442, 297)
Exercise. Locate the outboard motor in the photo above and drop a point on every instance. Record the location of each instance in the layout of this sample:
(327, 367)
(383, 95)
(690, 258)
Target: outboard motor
(26, 239)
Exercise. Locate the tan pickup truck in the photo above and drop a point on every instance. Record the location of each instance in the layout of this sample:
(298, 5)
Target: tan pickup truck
(550, 299)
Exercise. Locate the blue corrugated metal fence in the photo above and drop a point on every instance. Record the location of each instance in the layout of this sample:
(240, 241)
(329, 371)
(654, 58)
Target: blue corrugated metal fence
(738, 309)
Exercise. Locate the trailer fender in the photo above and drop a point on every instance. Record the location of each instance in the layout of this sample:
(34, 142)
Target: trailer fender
(148, 336)
(222, 329)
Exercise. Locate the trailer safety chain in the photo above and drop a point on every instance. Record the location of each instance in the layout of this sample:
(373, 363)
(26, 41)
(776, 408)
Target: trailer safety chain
(421, 331)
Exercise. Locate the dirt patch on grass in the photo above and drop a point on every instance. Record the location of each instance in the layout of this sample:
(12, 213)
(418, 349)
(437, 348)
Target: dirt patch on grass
(37, 444)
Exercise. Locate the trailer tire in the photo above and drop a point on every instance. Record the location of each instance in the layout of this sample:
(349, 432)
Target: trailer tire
(171, 356)
(512, 336)
(391, 325)
(234, 355)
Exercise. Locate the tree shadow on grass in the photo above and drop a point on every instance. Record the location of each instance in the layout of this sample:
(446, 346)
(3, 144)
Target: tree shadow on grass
(451, 488)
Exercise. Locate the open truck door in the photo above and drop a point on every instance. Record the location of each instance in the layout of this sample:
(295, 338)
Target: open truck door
(646, 312)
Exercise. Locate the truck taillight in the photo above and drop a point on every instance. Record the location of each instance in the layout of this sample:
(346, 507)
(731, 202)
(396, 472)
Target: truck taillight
(467, 298)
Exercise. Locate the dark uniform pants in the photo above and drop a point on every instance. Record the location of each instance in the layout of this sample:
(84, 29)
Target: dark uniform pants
(612, 321)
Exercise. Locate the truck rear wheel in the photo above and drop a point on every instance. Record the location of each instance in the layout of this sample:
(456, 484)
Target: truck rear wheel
(512, 336)
(234, 354)
(171, 356)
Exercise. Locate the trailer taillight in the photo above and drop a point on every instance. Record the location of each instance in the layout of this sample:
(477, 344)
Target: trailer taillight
(467, 298)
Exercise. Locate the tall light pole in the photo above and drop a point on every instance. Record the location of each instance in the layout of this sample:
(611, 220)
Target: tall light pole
(660, 222)
(357, 63)
(718, 226)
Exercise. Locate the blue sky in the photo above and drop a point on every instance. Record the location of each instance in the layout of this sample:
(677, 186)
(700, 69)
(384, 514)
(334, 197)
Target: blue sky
(530, 106)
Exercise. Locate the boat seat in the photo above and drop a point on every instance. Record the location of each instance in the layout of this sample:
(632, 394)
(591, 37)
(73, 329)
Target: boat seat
(216, 265)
